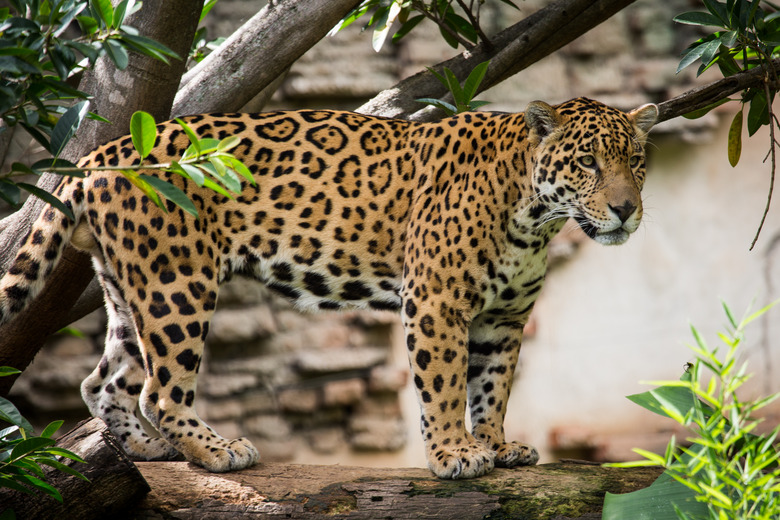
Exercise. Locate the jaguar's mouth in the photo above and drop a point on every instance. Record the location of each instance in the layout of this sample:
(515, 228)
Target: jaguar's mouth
(610, 237)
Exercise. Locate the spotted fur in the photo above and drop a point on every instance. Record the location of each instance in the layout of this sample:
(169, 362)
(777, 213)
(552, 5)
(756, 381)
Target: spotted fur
(448, 222)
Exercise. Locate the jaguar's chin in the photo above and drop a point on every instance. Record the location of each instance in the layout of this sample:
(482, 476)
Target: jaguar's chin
(611, 237)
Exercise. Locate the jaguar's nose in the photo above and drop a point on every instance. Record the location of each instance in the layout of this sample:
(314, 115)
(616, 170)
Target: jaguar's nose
(624, 211)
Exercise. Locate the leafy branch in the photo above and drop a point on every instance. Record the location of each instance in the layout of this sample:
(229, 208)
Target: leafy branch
(724, 470)
(748, 38)
(463, 96)
(203, 162)
(22, 453)
(458, 20)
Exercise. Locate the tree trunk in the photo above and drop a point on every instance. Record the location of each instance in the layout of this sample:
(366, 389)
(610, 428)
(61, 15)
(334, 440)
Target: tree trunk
(277, 490)
(115, 484)
(146, 84)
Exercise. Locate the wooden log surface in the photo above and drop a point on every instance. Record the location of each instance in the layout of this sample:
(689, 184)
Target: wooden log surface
(114, 486)
(565, 490)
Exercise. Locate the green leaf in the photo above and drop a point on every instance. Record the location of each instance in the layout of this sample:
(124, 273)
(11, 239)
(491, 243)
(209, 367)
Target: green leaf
(193, 137)
(62, 452)
(143, 132)
(698, 18)
(10, 414)
(448, 108)
(474, 80)
(40, 485)
(63, 467)
(677, 399)
(407, 27)
(119, 14)
(172, 193)
(43, 165)
(228, 143)
(758, 114)
(30, 445)
(206, 8)
(9, 371)
(145, 187)
(47, 197)
(117, 53)
(105, 10)
(239, 167)
(735, 149)
(9, 192)
(213, 186)
(67, 125)
(149, 47)
(51, 429)
(454, 85)
(656, 502)
(477, 104)
(189, 171)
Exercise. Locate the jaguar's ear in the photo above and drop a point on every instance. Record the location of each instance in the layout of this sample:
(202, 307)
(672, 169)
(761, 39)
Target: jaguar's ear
(644, 117)
(541, 118)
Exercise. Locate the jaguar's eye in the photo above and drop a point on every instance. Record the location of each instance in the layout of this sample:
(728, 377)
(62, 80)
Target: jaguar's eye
(634, 160)
(587, 161)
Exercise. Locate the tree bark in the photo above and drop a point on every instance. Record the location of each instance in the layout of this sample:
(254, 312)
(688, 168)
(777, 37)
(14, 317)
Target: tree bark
(256, 54)
(277, 490)
(115, 484)
(146, 84)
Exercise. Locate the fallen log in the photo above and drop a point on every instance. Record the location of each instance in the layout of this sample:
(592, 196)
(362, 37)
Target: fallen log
(567, 490)
(115, 484)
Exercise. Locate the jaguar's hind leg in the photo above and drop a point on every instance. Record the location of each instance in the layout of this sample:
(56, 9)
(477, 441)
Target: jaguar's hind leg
(172, 342)
(112, 391)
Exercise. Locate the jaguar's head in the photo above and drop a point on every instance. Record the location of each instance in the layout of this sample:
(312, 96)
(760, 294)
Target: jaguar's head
(589, 164)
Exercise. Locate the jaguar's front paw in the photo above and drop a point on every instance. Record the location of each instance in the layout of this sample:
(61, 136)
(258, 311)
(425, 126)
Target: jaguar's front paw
(469, 461)
(511, 454)
(221, 455)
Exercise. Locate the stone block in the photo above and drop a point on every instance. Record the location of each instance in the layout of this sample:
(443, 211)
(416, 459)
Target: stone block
(241, 325)
(219, 410)
(343, 392)
(304, 400)
(227, 385)
(340, 360)
(387, 378)
(276, 450)
(377, 433)
(268, 426)
(326, 440)
(384, 405)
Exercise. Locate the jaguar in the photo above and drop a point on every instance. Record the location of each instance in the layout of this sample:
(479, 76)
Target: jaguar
(446, 222)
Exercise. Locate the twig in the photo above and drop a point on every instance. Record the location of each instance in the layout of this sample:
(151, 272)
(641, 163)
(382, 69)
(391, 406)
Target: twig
(435, 18)
(772, 142)
(474, 19)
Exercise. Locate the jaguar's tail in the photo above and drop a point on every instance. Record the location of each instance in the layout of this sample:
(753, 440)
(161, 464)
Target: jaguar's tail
(40, 252)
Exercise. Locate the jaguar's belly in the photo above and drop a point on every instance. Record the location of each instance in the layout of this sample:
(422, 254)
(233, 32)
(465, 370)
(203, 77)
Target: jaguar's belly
(352, 283)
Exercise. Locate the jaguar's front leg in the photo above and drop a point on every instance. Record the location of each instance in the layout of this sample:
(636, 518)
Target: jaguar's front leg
(494, 347)
(437, 337)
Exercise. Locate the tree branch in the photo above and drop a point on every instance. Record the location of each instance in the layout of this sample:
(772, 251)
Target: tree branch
(509, 52)
(256, 54)
(706, 95)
